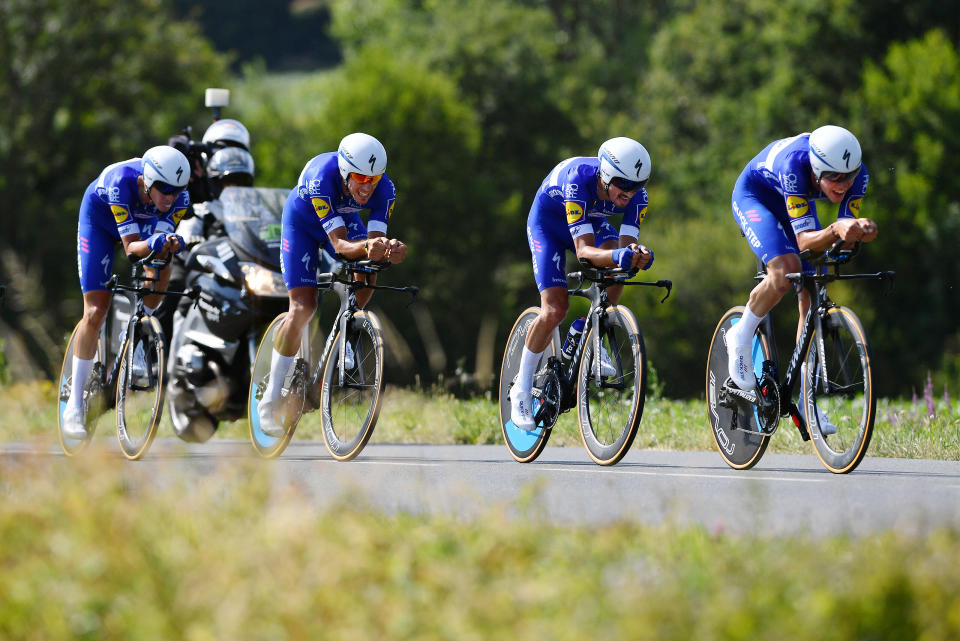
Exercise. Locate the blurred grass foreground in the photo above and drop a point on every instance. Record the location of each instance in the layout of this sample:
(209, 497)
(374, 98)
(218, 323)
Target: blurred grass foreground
(93, 549)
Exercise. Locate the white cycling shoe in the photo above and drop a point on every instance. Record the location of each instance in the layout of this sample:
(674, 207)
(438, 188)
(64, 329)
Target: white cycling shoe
(606, 366)
(269, 425)
(521, 408)
(348, 357)
(740, 361)
(826, 427)
(73, 424)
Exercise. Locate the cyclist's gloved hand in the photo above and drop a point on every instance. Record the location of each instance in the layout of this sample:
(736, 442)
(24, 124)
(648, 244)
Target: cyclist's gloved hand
(650, 264)
(182, 244)
(156, 241)
(623, 257)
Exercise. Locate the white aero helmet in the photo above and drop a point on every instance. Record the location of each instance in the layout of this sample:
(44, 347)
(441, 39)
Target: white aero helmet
(625, 162)
(166, 165)
(228, 161)
(362, 154)
(833, 149)
(227, 132)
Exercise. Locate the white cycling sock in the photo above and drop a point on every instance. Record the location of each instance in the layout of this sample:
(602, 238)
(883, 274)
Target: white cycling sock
(279, 365)
(528, 365)
(747, 325)
(80, 372)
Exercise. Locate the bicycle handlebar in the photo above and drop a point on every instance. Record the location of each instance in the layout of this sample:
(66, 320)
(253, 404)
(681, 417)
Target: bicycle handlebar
(610, 276)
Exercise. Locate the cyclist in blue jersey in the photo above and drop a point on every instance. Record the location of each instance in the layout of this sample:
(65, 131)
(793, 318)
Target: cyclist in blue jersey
(570, 212)
(774, 203)
(323, 212)
(138, 202)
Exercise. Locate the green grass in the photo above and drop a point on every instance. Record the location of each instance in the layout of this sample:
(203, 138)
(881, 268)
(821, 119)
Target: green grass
(903, 429)
(92, 549)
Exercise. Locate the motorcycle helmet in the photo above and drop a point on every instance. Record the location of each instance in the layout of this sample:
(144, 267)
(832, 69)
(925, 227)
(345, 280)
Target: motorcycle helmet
(165, 165)
(362, 154)
(227, 133)
(625, 163)
(235, 162)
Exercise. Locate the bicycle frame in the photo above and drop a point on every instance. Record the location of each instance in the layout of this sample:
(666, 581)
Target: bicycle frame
(820, 304)
(346, 289)
(596, 293)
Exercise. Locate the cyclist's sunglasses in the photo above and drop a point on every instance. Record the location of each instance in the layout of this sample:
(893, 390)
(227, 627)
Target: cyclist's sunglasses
(363, 179)
(166, 189)
(840, 176)
(627, 185)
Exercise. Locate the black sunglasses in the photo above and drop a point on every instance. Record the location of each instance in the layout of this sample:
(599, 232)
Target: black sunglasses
(840, 176)
(166, 189)
(627, 185)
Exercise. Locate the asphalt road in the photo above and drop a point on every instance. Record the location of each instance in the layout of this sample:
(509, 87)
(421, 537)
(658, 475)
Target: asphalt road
(783, 494)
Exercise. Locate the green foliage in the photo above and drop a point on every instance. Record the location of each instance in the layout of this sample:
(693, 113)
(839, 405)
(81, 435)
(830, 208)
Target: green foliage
(85, 84)
(94, 551)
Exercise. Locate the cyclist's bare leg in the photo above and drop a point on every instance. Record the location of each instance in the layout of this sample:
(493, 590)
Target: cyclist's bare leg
(95, 305)
(303, 304)
(153, 301)
(363, 295)
(554, 303)
(771, 289)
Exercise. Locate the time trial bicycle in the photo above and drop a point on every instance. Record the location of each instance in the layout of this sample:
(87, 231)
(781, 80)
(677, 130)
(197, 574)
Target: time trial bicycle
(348, 394)
(833, 361)
(609, 408)
(128, 370)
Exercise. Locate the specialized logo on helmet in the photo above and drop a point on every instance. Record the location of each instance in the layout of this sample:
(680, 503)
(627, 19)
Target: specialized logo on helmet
(846, 157)
(321, 206)
(797, 206)
(120, 214)
(638, 166)
(574, 212)
(179, 174)
(854, 206)
(372, 161)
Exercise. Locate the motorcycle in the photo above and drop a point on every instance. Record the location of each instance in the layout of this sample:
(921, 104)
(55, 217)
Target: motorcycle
(214, 342)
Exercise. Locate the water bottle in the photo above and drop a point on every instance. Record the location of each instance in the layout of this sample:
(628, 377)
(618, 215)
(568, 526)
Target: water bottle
(573, 337)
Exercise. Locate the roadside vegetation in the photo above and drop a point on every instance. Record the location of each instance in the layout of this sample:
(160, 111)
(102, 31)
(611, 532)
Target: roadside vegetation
(92, 549)
(925, 427)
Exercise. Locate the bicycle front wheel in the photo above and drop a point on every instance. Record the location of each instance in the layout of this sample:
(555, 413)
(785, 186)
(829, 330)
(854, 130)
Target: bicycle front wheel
(292, 394)
(737, 435)
(93, 401)
(350, 400)
(140, 387)
(524, 446)
(609, 410)
(838, 396)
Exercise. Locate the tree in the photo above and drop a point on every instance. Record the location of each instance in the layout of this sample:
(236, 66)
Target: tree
(84, 84)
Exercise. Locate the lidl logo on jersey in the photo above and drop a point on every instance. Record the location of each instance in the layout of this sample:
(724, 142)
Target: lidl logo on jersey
(120, 214)
(642, 215)
(177, 215)
(854, 206)
(574, 212)
(321, 206)
(797, 206)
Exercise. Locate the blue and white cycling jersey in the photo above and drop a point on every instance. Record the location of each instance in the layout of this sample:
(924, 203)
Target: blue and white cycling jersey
(318, 205)
(566, 207)
(775, 197)
(111, 208)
